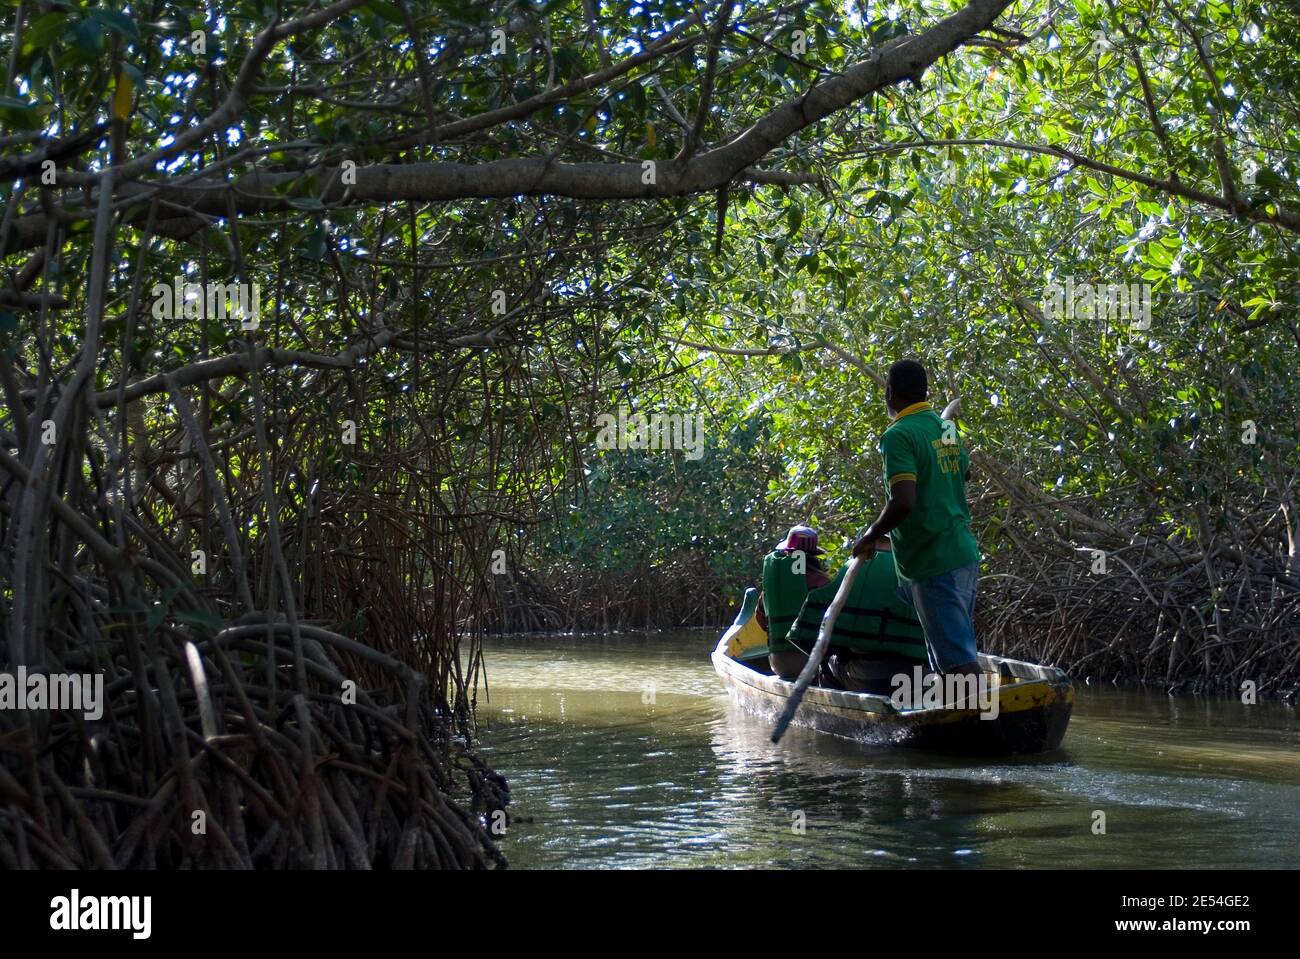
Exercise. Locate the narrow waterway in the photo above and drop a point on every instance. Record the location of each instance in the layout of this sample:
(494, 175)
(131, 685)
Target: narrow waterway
(625, 751)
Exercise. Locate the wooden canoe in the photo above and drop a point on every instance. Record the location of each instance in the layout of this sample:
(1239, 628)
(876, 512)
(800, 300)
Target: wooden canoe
(1034, 702)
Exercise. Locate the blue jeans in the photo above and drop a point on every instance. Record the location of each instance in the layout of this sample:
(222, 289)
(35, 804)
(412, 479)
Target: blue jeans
(945, 605)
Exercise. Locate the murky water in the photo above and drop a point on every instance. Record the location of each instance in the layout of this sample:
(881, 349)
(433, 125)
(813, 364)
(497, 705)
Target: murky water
(626, 752)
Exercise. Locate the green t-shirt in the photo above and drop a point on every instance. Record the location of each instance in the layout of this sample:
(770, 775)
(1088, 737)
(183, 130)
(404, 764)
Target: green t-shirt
(935, 537)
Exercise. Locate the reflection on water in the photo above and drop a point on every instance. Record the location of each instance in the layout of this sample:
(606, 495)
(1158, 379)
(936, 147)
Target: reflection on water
(626, 752)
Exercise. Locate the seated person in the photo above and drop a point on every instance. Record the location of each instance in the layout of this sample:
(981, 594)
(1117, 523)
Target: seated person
(790, 572)
(877, 635)
(894, 641)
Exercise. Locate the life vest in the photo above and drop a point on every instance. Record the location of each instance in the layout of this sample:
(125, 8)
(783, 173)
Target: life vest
(784, 591)
(874, 618)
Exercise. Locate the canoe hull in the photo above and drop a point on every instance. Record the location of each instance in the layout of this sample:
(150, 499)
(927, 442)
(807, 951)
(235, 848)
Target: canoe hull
(1034, 706)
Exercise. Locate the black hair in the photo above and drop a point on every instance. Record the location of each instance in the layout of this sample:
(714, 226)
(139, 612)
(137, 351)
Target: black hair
(907, 383)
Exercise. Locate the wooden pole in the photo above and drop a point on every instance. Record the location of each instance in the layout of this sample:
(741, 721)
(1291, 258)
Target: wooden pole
(819, 648)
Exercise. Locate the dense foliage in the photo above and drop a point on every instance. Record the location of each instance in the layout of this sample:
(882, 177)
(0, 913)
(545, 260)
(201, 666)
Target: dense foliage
(473, 229)
(1137, 146)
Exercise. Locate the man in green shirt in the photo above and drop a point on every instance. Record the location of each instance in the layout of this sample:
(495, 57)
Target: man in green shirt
(928, 521)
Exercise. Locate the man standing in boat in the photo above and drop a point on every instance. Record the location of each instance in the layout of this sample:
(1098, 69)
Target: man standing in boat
(928, 520)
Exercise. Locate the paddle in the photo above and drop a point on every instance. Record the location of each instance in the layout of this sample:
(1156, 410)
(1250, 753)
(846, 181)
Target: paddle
(819, 648)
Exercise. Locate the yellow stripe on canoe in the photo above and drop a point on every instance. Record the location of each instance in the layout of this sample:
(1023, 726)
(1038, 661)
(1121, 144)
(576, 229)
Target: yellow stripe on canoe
(747, 637)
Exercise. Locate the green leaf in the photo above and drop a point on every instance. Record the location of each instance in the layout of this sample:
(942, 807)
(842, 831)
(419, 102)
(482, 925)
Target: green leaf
(43, 31)
(21, 114)
(88, 36)
(119, 23)
(389, 11)
(313, 247)
(1270, 181)
(202, 619)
